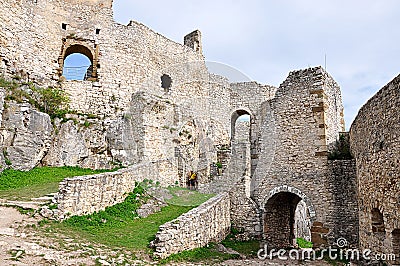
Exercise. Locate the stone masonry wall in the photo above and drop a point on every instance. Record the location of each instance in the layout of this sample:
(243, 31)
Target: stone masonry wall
(88, 194)
(127, 58)
(245, 214)
(210, 222)
(375, 144)
(293, 143)
(343, 218)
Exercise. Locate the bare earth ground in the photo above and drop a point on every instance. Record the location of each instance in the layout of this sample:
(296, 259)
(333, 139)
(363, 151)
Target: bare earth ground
(20, 244)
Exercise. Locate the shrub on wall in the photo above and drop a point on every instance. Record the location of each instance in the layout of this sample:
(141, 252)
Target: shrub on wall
(52, 101)
(341, 150)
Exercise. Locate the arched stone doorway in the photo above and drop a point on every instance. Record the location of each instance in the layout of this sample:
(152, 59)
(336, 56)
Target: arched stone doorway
(281, 209)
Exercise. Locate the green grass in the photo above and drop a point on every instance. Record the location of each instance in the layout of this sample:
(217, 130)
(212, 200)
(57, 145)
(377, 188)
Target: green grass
(303, 243)
(119, 226)
(211, 255)
(247, 248)
(186, 197)
(205, 254)
(20, 185)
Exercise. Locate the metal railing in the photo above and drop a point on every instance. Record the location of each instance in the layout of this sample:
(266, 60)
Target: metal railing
(77, 73)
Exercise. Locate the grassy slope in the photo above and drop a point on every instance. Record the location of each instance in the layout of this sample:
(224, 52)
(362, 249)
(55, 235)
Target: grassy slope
(119, 226)
(20, 185)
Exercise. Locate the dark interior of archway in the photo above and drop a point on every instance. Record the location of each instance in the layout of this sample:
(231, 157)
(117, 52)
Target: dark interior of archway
(378, 225)
(241, 112)
(280, 218)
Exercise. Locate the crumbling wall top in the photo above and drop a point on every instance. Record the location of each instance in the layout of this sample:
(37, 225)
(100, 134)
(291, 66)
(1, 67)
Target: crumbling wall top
(104, 3)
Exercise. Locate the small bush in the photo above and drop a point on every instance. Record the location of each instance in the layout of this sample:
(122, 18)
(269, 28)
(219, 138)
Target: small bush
(52, 101)
(6, 159)
(341, 150)
(86, 124)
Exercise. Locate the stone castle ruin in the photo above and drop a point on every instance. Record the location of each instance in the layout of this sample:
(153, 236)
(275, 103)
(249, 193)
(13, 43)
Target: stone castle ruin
(150, 104)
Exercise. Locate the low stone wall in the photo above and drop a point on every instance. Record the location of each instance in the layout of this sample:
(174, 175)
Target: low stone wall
(210, 222)
(87, 194)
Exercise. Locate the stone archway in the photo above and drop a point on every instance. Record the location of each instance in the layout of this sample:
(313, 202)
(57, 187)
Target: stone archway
(279, 215)
(234, 117)
(85, 48)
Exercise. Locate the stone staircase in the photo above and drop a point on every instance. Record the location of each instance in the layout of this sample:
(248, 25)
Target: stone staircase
(237, 167)
(35, 203)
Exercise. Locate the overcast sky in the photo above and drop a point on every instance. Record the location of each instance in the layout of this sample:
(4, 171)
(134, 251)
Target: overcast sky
(266, 39)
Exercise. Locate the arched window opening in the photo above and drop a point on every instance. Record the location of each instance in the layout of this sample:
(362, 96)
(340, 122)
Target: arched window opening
(240, 126)
(77, 67)
(240, 142)
(78, 63)
(378, 224)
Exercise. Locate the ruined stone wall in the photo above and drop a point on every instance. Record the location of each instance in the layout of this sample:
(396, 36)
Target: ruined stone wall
(219, 100)
(128, 59)
(250, 96)
(293, 142)
(245, 214)
(31, 34)
(375, 144)
(333, 116)
(36, 35)
(343, 218)
(210, 222)
(87, 194)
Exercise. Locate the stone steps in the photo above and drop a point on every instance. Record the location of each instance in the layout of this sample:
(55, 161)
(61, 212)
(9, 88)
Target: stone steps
(23, 204)
(35, 203)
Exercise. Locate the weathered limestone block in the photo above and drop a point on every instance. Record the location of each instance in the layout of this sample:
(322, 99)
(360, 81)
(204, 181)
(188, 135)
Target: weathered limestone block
(26, 135)
(123, 138)
(68, 148)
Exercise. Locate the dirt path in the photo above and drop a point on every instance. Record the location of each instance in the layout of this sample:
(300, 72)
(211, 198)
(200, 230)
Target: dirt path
(19, 246)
